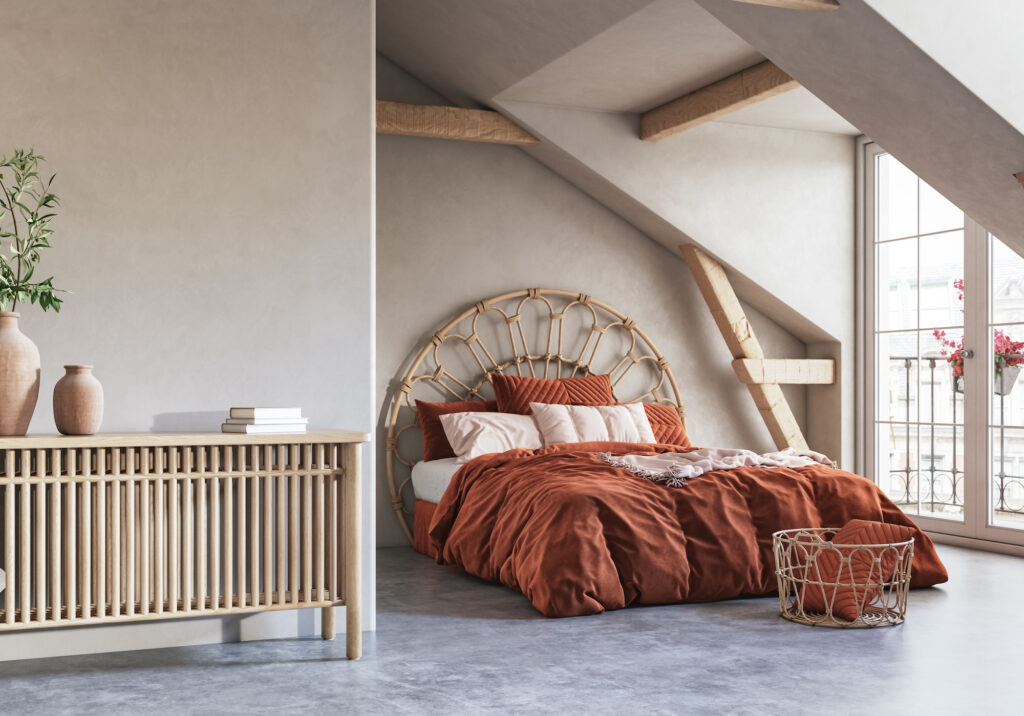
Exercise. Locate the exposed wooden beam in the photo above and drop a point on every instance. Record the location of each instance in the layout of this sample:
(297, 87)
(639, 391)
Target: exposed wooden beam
(743, 344)
(785, 370)
(796, 4)
(725, 306)
(716, 100)
(471, 125)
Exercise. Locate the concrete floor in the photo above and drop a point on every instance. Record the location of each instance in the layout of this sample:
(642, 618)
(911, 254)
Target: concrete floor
(448, 643)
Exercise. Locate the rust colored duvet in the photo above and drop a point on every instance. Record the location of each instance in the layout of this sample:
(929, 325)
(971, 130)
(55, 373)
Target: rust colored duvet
(578, 536)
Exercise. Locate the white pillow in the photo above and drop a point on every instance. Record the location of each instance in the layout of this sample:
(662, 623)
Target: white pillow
(585, 423)
(477, 433)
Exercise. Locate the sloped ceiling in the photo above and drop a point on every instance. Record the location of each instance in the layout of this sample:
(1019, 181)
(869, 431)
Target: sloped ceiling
(471, 50)
(607, 55)
(657, 54)
(876, 78)
(521, 58)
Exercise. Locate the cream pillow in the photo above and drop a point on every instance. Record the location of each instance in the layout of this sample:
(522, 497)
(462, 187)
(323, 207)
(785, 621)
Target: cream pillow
(586, 423)
(474, 434)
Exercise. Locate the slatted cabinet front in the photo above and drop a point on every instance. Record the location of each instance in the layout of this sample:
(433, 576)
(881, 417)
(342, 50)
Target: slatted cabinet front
(106, 534)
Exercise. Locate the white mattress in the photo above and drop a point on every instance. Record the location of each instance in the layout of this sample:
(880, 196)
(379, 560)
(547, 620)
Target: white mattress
(430, 479)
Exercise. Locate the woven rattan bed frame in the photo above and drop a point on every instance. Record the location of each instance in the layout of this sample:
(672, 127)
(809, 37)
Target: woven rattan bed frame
(550, 334)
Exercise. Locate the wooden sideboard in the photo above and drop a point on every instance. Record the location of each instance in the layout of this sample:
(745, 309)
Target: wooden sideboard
(127, 527)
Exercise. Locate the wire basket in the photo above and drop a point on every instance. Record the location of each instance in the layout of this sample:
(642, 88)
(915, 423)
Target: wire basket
(841, 585)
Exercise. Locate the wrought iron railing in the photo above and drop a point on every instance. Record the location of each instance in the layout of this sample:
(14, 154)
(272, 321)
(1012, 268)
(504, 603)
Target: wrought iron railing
(926, 478)
(1003, 480)
(930, 484)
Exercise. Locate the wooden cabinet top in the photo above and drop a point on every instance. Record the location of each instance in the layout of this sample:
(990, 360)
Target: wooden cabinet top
(34, 442)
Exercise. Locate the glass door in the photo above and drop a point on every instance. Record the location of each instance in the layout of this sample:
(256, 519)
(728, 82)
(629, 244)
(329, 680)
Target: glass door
(943, 359)
(917, 256)
(1004, 520)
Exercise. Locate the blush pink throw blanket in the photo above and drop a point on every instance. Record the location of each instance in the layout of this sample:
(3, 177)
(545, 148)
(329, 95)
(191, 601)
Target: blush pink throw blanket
(675, 468)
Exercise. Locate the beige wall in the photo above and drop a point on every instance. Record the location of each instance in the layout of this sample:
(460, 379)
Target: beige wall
(775, 205)
(934, 83)
(457, 222)
(215, 165)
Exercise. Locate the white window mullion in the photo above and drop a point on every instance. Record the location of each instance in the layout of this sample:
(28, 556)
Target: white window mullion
(867, 458)
(977, 386)
(918, 386)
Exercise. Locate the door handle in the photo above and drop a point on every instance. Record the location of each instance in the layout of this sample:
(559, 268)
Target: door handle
(967, 353)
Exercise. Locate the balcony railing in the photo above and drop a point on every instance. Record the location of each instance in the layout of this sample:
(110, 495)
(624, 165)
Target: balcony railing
(1006, 482)
(931, 485)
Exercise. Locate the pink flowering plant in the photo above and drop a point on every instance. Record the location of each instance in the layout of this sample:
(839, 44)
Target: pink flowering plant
(1008, 352)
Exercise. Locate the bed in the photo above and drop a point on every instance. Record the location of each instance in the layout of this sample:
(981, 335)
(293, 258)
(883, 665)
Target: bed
(575, 534)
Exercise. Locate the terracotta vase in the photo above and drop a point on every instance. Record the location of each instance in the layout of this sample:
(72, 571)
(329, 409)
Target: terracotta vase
(78, 401)
(19, 376)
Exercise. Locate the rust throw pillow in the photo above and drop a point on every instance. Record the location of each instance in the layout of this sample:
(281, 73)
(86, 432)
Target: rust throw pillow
(666, 424)
(514, 393)
(847, 566)
(435, 442)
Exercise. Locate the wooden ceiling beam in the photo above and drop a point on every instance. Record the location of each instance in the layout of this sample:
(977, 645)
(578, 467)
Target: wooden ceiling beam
(819, 5)
(735, 92)
(469, 125)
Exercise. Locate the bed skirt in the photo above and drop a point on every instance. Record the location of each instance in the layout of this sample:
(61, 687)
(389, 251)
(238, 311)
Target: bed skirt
(424, 512)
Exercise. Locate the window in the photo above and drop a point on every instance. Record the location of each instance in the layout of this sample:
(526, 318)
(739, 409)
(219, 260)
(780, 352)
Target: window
(943, 434)
(918, 251)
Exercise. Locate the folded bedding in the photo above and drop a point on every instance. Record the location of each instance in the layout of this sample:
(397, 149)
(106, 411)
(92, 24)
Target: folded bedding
(578, 535)
(676, 468)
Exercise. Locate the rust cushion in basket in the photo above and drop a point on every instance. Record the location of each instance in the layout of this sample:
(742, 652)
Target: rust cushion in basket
(435, 442)
(861, 568)
(666, 424)
(514, 393)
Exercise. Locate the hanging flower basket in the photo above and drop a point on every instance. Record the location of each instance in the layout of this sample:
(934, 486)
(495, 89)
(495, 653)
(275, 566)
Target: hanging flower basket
(1009, 354)
(1005, 380)
(1002, 383)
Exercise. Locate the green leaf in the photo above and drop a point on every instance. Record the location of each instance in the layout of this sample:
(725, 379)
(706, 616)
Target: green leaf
(27, 206)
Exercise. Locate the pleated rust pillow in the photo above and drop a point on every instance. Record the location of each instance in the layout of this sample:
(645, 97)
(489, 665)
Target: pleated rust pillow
(847, 566)
(666, 424)
(514, 393)
(435, 442)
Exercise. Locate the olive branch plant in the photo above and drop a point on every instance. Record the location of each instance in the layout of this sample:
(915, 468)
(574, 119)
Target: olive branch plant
(27, 206)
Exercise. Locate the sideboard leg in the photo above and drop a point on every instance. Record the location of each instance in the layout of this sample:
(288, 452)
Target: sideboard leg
(327, 623)
(353, 555)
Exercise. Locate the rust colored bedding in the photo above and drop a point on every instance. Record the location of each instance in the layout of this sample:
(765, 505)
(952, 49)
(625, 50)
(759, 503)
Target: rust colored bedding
(578, 536)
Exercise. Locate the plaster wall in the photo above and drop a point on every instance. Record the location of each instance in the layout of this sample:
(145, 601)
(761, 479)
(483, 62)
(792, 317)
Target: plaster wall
(774, 205)
(215, 164)
(460, 221)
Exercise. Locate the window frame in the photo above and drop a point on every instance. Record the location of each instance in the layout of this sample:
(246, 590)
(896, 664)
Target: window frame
(977, 528)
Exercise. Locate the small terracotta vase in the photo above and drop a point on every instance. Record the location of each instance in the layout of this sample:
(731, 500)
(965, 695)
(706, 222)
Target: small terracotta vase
(19, 376)
(78, 401)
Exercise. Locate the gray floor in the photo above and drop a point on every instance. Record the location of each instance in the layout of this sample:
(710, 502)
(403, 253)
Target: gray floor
(448, 643)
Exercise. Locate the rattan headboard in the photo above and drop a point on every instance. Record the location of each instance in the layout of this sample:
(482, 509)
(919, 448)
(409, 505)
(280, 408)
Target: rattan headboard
(547, 333)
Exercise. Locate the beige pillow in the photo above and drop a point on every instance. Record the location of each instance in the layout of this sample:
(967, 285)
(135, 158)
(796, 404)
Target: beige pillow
(588, 423)
(474, 434)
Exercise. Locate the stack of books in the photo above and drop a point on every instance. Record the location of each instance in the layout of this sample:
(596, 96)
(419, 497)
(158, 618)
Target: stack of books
(282, 421)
